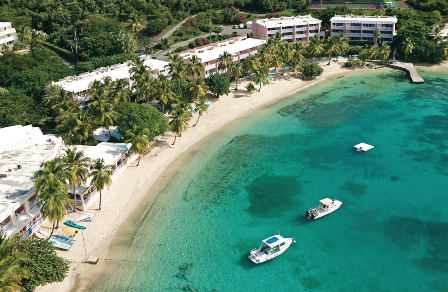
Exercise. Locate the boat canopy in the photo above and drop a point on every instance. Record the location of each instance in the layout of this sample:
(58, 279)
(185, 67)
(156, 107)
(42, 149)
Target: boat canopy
(274, 240)
(326, 201)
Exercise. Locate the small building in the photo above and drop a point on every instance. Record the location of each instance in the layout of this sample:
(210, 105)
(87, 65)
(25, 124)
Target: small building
(79, 85)
(239, 47)
(116, 154)
(22, 151)
(8, 35)
(360, 28)
(295, 28)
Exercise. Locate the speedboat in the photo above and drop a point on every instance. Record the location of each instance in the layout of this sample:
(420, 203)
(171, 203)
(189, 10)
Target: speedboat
(328, 206)
(270, 248)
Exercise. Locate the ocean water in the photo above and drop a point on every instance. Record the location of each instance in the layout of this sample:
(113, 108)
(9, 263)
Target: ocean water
(258, 176)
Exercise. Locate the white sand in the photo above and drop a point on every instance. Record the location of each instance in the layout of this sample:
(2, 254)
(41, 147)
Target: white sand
(131, 188)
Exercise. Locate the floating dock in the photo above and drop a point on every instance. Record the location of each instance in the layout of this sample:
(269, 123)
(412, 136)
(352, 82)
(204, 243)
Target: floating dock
(408, 67)
(363, 147)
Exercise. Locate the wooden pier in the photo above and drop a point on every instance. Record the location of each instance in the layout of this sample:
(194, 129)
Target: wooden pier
(408, 67)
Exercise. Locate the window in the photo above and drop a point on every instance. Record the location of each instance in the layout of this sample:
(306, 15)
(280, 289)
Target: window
(355, 24)
(338, 24)
(271, 28)
(354, 31)
(355, 38)
(287, 27)
(386, 25)
(368, 25)
(313, 31)
(300, 26)
(386, 32)
(337, 30)
(287, 33)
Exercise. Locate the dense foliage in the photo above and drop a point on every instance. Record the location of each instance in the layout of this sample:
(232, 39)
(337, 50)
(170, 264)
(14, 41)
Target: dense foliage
(16, 108)
(142, 116)
(430, 5)
(312, 70)
(44, 265)
(30, 72)
(218, 84)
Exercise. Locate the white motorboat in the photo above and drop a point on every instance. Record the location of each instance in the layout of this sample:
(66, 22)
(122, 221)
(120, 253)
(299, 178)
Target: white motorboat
(328, 206)
(270, 248)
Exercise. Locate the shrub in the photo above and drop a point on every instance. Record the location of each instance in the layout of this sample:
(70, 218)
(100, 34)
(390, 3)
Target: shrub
(60, 51)
(312, 70)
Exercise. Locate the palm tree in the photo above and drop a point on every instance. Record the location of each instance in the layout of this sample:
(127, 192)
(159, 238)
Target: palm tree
(139, 138)
(373, 53)
(198, 88)
(225, 62)
(58, 100)
(261, 75)
(237, 72)
(264, 57)
(108, 117)
(138, 68)
(127, 42)
(295, 66)
(50, 170)
(249, 65)
(201, 107)
(332, 45)
(376, 36)
(26, 35)
(101, 176)
(76, 166)
(195, 67)
(180, 117)
(315, 47)
(176, 66)
(120, 91)
(276, 62)
(12, 271)
(407, 46)
(287, 53)
(52, 200)
(384, 51)
(136, 22)
(162, 91)
(146, 87)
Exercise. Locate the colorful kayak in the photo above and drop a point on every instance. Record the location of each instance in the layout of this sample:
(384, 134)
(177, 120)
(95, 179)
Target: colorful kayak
(69, 223)
(85, 218)
(69, 232)
(63, 237)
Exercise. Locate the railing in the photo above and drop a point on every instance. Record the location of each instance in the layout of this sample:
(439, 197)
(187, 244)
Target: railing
(273, 31)
(8, 31)
(302, 35)
(288, 37)
(23, 212)
(6, 227)
(33, 228)
(287, 30)
(314, 27)
(242, 56)
(33, 204)
(209, 67)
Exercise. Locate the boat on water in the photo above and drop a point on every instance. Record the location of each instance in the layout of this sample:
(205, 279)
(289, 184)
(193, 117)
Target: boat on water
(328, 206)
(270, 248)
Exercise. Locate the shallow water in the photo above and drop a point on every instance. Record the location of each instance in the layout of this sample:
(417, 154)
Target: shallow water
(258, 177)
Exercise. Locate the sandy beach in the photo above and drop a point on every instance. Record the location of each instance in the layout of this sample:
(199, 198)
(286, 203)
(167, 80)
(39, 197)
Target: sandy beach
(132, 188)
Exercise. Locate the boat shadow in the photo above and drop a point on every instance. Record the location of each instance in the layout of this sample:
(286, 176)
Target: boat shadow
(246, 263)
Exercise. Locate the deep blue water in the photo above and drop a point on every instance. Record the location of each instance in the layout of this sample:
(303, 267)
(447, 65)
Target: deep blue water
(260, 174)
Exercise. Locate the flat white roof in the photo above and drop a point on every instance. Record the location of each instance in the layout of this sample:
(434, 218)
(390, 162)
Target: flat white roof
(5, 24)
(118, 71)
(364, 19)
(109, 152)
(288, 21)
(28, 147)
(213, 54)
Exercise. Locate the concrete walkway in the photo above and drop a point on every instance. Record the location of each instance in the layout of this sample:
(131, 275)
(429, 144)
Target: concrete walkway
(408, 67)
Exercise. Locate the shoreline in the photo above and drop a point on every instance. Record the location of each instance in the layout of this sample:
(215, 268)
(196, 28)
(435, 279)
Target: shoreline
(137, 186)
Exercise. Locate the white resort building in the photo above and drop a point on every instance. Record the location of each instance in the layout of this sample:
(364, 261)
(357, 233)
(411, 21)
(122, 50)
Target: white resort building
(8, 35)
(239, 47)
(79, 85)
(360, 28)
(295, 28)
(22, 150)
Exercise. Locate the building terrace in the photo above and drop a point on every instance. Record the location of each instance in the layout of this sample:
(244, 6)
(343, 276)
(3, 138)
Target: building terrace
(239, 47)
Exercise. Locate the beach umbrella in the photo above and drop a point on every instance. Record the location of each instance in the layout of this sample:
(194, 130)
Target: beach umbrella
(208, 105)
(193, 111)
(339, 57)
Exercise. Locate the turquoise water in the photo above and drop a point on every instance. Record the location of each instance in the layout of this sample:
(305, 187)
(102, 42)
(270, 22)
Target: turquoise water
(262, 173)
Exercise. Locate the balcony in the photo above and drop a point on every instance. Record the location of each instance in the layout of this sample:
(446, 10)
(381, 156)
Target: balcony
(302, 35)
(314, 27)
(6, 227)
(210, 67)
(386, 29)
(354, 27)
(33, 204)
(7, 31)
(242, 56)
(288, 37)
(287, 30)
(353, 34)
(312, 34)
(235, 59)
(272, 31)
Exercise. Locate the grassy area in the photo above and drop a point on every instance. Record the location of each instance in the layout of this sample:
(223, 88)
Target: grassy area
(289, 12)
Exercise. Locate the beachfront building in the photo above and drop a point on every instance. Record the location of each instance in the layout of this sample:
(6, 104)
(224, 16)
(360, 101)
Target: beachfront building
(117, 155)
(79, 85)
(8, 35)
(239, 47)
(22, 150)
(295, 28)
(360, 28)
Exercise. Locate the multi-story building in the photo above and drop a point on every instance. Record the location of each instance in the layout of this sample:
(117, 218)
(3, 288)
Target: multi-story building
(360, 28)
(79, 85)
(8, 35)
(239, 47)
(295, 28)
(22, 150)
